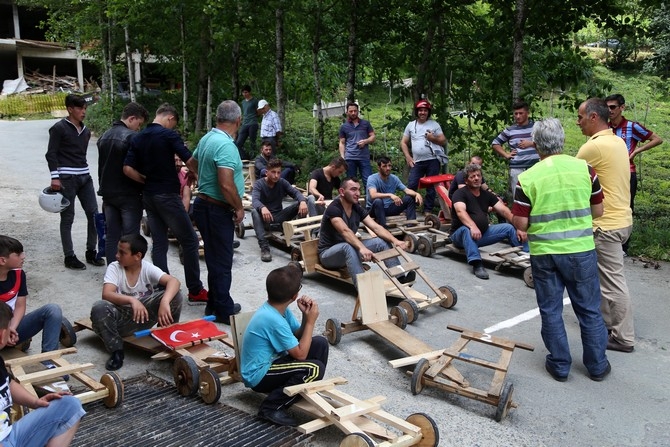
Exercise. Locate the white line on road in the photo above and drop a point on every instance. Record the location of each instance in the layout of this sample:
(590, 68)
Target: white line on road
(518, 319)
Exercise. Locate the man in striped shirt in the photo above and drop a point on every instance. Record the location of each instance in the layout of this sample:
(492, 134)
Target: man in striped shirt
(522, 154)
(271, 128)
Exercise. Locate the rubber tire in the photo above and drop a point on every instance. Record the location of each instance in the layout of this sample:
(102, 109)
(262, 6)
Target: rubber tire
(424, 246)
(433, 221)
(416, 384)
(68, 336)
(452, 297)
(210, 379)
(239, 230)
(114, 385)
(505, 402)
(333, 331)
(528, 277)
(412, 240)
(430, 433)
(186, 376)
(401, 316)
(411, 308)
(357, 440)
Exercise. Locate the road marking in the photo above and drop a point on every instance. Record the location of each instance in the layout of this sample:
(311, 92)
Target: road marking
(518, 319)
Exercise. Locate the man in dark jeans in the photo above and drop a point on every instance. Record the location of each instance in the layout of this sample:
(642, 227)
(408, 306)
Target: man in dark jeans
(150, 160)
(121, 196)
(66, 157)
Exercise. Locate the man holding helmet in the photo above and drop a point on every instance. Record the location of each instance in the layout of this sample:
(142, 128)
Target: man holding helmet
(427, 154)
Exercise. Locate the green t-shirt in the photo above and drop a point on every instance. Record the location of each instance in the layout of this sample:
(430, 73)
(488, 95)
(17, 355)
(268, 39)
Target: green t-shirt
(249, 111)
(217, 150)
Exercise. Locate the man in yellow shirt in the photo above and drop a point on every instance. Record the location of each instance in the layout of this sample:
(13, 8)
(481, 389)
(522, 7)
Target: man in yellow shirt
(608, 155)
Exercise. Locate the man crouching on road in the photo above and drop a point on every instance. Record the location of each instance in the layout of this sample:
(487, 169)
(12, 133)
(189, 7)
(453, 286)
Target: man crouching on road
(338, 245)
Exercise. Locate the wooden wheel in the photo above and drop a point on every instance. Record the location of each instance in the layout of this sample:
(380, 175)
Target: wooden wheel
(411, 308)
(400, 316)
(505, 402)
(239, 230)
(528, 277)
(416, 385)
(451, 297)
(144, 223)
(114, 385)
(357, 440)
(296, 255)
(433, 221)
(210, 386)
(68, 337)
(424, 246)
(412, 240)
(333, 331)
(430, 434)
(186, 376)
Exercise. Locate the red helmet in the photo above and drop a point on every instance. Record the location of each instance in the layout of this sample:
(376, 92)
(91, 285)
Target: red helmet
(423, 104)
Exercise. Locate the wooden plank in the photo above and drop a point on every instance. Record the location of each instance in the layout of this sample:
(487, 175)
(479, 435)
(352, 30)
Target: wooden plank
(387, 254)
(372, 297)
(399, 338)
(313, 387)
(37, 358)
(349, 412)
(414, 359)
(399, 270)
(50, 374)
(310, 254)
(238, 325)
(490, 339)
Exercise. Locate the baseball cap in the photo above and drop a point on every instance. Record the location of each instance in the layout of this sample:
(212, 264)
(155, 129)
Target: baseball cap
(262, 103)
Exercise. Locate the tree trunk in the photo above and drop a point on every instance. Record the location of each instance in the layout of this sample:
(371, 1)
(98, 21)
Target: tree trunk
(520, 14)
(424, 69)
(129, 61)
(316, 70)
(351, 67)
(203, 76)
(279, 64)
(184, 72)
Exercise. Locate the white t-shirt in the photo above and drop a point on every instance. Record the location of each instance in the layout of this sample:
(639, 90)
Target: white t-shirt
(416, 132)
(146, 283)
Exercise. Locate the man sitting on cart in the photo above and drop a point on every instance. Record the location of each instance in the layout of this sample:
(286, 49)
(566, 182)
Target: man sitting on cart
(381, 198)
(132, 299)
(470, 227)
(338, 245)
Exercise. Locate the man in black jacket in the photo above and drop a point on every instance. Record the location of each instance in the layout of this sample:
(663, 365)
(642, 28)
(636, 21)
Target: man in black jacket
(121, 196)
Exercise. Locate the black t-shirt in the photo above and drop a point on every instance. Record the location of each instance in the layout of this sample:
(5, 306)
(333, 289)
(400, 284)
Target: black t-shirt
(328, 235)
(324, 186)
(477, 208)
(8, 289)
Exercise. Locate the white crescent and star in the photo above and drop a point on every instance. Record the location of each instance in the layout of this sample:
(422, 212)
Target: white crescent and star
(174, 334)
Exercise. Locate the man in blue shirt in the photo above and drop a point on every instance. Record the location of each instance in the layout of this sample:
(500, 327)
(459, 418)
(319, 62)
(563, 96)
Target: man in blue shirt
(381, 199)
(356, 134)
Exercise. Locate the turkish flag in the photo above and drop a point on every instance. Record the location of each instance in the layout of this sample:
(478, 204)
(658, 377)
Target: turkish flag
(180, 335)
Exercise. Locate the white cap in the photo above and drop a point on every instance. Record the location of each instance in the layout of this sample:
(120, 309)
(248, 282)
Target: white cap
(262, 103)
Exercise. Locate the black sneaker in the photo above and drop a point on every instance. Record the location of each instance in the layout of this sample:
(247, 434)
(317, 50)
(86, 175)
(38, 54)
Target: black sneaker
(602, 375)
(266, 256)
(73, 263)
(92, 258)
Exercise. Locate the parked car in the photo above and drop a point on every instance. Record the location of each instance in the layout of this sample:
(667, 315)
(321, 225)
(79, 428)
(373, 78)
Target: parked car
(606, 43)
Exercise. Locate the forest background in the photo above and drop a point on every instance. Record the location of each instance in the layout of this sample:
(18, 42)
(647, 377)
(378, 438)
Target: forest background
(471, 59)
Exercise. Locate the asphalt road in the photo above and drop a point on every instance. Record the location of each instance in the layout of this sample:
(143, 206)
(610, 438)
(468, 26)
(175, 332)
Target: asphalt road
(629, 408)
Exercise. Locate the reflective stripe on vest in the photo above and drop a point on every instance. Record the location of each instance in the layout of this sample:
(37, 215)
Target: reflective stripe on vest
(559, 189)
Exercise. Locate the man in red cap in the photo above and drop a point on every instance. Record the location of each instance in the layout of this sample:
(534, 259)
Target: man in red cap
(427, 152)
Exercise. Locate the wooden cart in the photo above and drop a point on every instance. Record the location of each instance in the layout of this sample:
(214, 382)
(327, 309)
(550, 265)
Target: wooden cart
(433, 367)
(198, 368)
(32, 375)
(413, 301)
(364, 422)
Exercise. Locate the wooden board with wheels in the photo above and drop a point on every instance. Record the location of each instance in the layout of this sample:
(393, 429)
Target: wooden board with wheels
(195, 364)
(31, 374)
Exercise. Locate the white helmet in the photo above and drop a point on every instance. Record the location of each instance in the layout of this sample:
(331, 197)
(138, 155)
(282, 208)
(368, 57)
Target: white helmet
(53, 201)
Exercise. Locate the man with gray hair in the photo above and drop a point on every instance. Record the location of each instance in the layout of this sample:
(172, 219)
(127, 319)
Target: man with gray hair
(608, 155)
(554, 203)
(218, 206)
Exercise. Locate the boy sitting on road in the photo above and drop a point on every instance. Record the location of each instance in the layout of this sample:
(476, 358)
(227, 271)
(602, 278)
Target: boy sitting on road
(14, 292)
(56, 417)
(132, 299)
(277, 351)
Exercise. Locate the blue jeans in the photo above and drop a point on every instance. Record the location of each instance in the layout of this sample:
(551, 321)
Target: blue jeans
(379, 213)
(288, 213)
(424, 169)
(578, 273)
(44, 423)
(247, 131)
(494, 233)
(345, 255)
(81, 187)
(217, 229)
(123, 215)
(167, 211)
(47, 319)
(362, 166)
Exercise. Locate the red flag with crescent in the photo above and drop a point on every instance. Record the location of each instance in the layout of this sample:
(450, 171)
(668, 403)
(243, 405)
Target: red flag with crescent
(190, 333)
